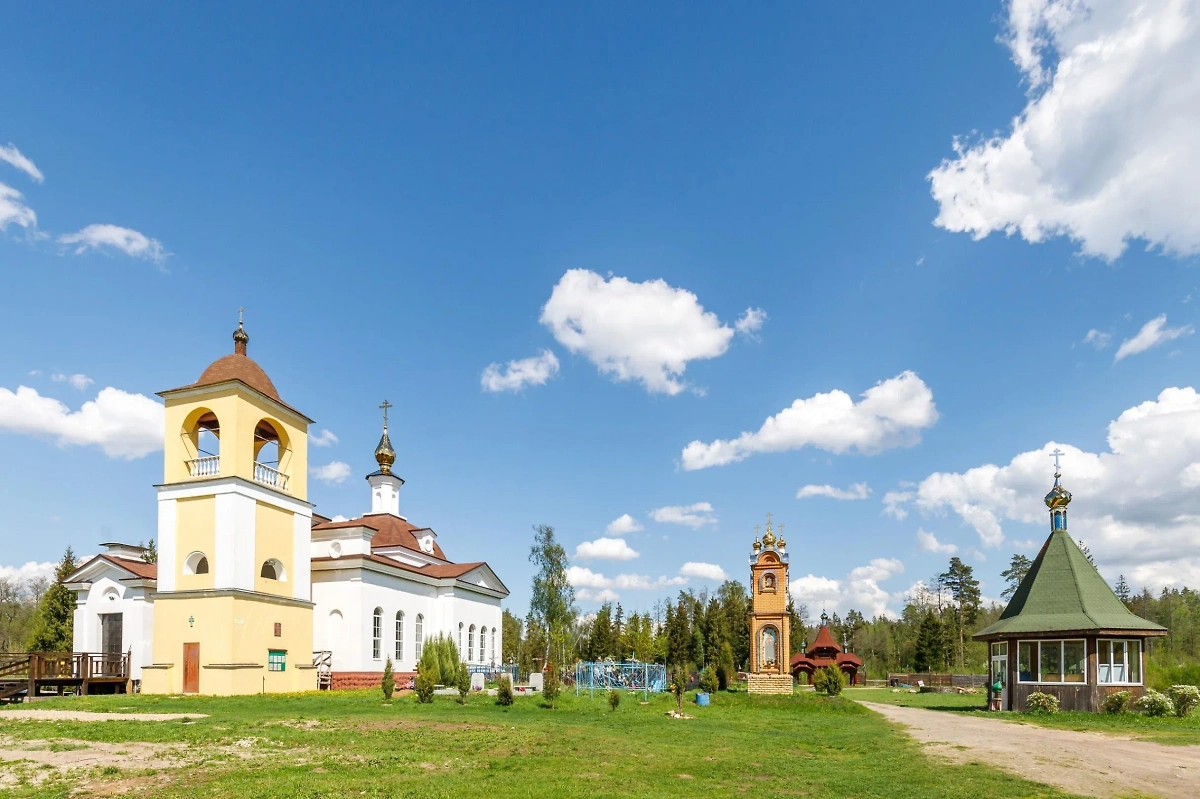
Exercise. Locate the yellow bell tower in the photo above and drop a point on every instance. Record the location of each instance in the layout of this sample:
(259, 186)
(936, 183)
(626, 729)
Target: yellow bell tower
(770, 633)
(233, 610)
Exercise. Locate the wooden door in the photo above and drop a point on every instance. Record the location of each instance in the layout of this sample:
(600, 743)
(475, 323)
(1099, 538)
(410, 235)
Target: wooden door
(191, 668)
(111, 630)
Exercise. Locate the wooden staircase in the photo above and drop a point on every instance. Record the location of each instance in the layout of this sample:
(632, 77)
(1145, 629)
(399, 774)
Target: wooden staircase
(24, 675)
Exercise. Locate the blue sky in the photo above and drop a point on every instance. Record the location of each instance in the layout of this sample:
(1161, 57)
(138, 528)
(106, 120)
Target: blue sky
(404, 196)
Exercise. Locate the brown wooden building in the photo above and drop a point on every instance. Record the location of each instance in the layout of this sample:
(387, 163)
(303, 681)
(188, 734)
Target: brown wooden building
(825, 652)
(1065, 632)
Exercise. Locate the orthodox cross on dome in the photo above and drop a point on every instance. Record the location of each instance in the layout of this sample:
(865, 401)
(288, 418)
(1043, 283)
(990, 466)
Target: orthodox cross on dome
(385, 407)
(240, 337)
(1056, 454)
(385, 455)
(240, 312)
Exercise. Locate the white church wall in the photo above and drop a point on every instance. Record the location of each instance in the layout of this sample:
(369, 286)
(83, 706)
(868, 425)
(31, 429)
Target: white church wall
(351, 638)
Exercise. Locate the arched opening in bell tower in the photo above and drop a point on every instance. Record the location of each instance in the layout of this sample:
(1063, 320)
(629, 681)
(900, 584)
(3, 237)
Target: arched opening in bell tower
(202, 443)
(270, 448)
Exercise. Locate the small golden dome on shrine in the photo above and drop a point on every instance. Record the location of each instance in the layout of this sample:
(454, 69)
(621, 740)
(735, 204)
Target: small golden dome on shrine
(769, 538)
(757, 545)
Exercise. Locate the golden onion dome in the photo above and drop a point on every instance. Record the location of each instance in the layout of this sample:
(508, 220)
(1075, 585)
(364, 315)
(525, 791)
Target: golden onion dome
(1058, 497)
(385, 456)
(769, 538)
(757, 545)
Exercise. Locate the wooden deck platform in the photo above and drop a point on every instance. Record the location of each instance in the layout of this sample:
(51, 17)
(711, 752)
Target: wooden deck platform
(29, 675)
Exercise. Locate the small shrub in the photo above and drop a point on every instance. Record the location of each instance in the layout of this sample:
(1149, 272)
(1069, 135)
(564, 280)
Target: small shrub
(426, 682)
(678, 684)
(708, 680)
(389, 680)
(1039, 702)
(430, 663)
(829, 680)
(1116, 703)
(1155, 704)
(614, 699)
(463, 683)
(726, 671)
(1185, 697)
(551, 685)
(504, 691)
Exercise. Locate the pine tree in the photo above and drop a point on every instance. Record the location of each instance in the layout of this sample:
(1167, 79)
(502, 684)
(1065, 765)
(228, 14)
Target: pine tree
(151, 552)
(1017, 569)
(52, 626)
(388, 683)
(960, 582)
(1122, 590)
(796, 625)
(930, 648)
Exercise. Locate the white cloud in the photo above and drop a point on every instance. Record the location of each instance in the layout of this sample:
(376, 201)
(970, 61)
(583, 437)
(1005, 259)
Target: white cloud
(323, 438)
(890, 414)
(1097, 339)
(1105, 149)
(694, 516)
(605, 549)
(333, 473)
(623, 525)
(112, 237)
(586, 580)
(894, 501)
(124, 425)
(13, 210)
(1136, 504)
(581, 577)
(647, 332)
(1152, 334)
(641, 582)
(516, 375)
(854, 492)
(599, 596)
(750, 322)
(703, 571)
(11, 155)
(30, 571)
(860, 590)
(77, 381)
(928, 542)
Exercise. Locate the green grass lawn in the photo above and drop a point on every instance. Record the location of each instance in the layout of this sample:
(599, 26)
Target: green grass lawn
(350, 744)
(1168, 730)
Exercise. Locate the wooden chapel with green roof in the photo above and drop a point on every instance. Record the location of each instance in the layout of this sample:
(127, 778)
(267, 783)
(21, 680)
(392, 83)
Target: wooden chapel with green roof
(1065, 632)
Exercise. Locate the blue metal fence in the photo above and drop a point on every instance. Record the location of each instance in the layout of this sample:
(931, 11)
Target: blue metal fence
(492, 673)
(633, 676)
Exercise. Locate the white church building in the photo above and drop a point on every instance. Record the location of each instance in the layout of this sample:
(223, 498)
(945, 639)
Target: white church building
(380, 585)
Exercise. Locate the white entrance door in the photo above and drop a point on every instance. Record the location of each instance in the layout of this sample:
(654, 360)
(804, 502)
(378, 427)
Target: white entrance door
(1000, 672)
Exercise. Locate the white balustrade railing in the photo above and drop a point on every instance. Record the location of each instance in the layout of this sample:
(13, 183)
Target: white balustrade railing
(270, 477)
(209, 466)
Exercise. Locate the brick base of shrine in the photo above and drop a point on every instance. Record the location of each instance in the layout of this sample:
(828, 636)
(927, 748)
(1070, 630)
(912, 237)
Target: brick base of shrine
(769, 683)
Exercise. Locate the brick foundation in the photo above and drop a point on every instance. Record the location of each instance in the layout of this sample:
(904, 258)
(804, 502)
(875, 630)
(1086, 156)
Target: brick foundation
(769, 683)
(355, 680)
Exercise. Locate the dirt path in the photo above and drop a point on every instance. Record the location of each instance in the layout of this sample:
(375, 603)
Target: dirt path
(1089, 763)
(34, 714)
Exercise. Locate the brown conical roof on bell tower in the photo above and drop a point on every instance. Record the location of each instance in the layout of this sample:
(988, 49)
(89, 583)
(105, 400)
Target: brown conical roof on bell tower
(238, 366)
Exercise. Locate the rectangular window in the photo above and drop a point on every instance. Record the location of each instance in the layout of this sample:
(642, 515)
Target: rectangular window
(1119, 662)
(399, 637)
(1051, 661)
(1000, 649)
(1026, 654)
(1074, 661)
(276, 660)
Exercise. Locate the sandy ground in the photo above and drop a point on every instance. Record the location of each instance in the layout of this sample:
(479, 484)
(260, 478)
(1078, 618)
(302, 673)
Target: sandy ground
(34, 714)
(1089, 763)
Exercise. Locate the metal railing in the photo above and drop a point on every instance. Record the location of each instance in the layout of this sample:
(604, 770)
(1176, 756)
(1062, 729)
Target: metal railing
(208, 466)
(270, 477)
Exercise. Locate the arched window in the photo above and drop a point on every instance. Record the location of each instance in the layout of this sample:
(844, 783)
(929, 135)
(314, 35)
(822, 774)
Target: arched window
(269, 449)
(768, 644)
(471, 644)
(460, 629)
(768, 581)
(493, 644)
(272, 569)
(202, 443)
(399, 635)
(482, 644)
(377, 633)
(420, 634)
(196, 563)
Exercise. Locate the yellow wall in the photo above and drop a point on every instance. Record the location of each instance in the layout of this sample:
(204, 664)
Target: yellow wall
(230, 630)
(195, 531)
(273, 539)
(238, 412)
